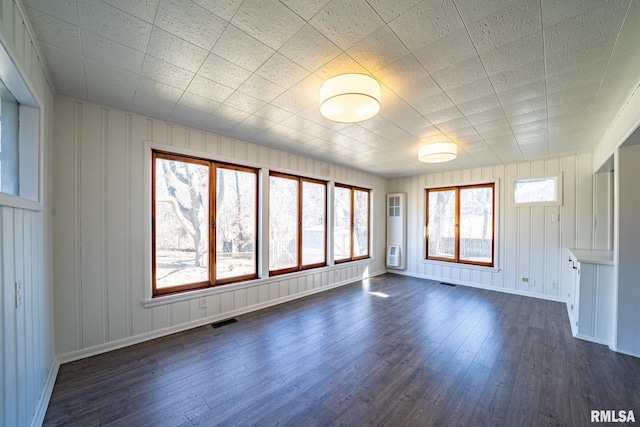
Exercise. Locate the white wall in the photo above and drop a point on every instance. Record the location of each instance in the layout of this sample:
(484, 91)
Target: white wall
(628, 248)
(27, 362)
(530, 241)
(627, 120)
(99, 229)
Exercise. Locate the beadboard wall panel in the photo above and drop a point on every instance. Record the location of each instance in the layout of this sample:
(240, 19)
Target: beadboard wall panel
(27, 362)
(530, 241)
(99, 257)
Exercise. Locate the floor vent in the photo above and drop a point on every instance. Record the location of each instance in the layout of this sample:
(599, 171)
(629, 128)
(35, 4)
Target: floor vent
(448, 284)
(223, 323)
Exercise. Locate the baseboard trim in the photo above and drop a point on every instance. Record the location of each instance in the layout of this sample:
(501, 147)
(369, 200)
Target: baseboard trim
(475, 285)
(45, 396)
(137, 339)
(626, 353)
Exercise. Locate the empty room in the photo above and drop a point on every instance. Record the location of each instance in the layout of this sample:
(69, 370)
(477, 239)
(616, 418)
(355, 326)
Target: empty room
(319, 212)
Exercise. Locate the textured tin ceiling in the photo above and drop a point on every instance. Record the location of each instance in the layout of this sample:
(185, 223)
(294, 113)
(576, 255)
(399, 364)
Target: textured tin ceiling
(507, 80)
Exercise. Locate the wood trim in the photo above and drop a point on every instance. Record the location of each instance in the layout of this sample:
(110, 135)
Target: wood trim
(213, 167)
(213, 217)
(214, 280)
(301, 218)
(352, 256)
(456, 259)
(301, 180)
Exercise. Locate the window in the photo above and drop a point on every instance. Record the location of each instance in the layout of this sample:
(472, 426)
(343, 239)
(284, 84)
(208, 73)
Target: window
(460, 224)
(536, 191)
(204, 223)
(9, 149)
(297, 223)
(351, 223)
(19, 141)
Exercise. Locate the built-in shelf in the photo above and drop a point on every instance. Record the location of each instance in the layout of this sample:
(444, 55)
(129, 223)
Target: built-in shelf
(593, 256)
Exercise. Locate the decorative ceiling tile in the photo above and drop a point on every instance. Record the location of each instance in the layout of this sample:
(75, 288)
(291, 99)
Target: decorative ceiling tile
(241, 49)
(268, 21)
(65, 10)
(166, 73)
(519, 19)
(378, 50)
(176, 51)
(282, 71)
(222, 71)
(554, 91)
(114, 24)
(190, 22)
(304, 8)
(225, 9)
(209, 89)
(346, 22)
(143, 9)
(451, 49)
(441, 15)
(309, 49)
(55, 31)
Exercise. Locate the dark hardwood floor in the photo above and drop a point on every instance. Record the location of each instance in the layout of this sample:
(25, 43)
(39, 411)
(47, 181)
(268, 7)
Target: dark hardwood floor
(426, 354)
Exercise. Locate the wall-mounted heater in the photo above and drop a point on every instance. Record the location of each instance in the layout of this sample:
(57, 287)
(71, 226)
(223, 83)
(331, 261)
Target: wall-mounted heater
(396, 230)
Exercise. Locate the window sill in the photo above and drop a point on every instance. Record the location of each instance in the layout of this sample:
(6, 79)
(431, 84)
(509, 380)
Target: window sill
(200, 293)
(461, 265)
(19, 202)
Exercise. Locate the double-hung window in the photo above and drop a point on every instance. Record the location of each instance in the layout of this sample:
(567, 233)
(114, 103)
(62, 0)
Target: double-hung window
(204, 223)
(460, 224)
(351, 223)
(297, 223)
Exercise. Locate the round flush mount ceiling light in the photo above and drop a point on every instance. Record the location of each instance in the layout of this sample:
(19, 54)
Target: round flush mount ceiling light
(438, 152)
(350, 98)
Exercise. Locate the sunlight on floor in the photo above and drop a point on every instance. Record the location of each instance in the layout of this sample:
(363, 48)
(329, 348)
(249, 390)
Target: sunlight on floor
(380, 294)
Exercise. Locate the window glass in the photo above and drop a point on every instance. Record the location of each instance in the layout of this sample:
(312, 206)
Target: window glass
(535, 190)
(476, 224)
(181, 223)
(313, 222)
(342, 223)
(442, 223)
(9, 151)
(283, 223)
(236, 195)
(460, 224)
(204, 223)
(360, 223)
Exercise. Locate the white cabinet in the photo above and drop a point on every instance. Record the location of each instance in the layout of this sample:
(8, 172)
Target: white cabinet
(591, 301)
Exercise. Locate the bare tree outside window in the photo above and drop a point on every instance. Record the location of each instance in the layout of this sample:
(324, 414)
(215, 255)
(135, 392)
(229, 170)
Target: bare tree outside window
(181, 223)
(204, 223)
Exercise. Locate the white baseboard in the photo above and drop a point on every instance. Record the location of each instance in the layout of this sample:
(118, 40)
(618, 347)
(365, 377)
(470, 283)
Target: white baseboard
(475, 285)
(45, 396)
(627, 353)
(125, 342)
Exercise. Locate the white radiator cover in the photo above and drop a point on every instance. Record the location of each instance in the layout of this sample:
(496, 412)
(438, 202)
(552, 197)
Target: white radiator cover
(396, 231)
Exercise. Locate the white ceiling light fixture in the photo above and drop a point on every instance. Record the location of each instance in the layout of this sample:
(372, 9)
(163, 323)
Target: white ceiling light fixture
(438, 152)
(350, 98)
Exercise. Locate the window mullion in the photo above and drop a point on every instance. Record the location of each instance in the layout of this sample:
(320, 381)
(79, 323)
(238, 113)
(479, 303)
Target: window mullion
(213, 181)
(456, 240)
(353, 221)
(300, 223)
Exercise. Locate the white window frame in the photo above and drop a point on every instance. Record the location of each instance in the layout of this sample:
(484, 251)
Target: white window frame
(513, 180)
(29, 135)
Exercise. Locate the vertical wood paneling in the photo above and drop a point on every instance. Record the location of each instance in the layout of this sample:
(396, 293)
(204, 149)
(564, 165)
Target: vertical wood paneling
(110, 225)
(140, 130)
(116, 209)
(10, 333)
(27, 355)
(530, 241)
